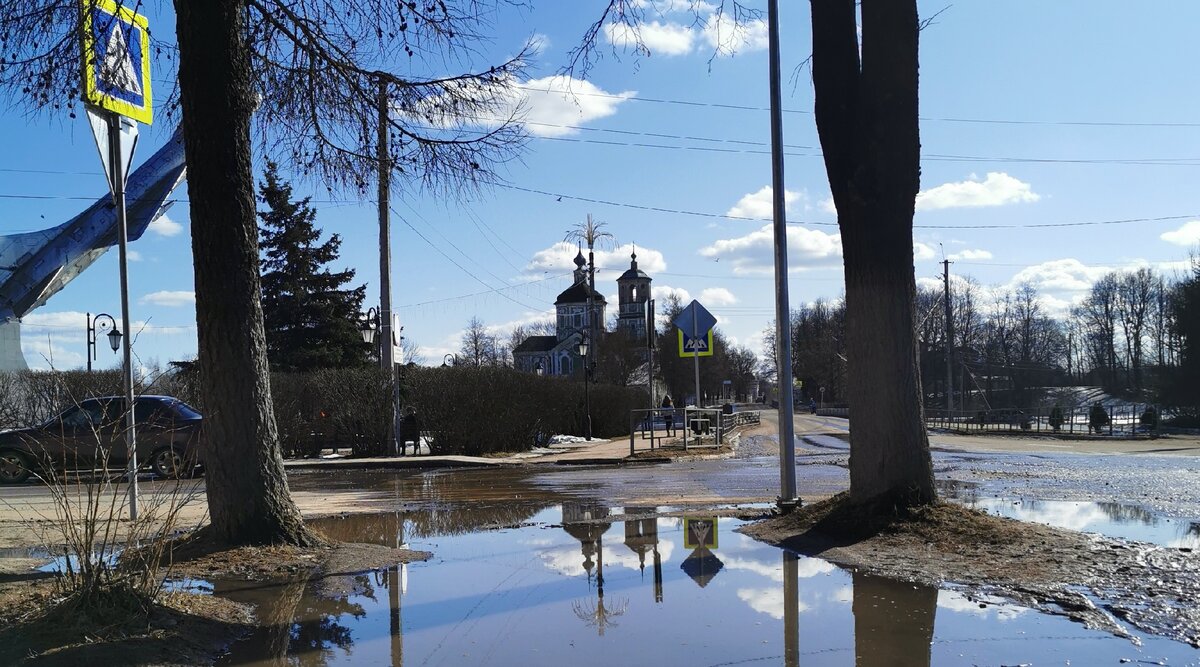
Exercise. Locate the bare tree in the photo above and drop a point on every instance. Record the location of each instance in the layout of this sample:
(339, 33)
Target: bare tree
(478, 346)
(1135, 300)
(1098, 313)
(318, 72)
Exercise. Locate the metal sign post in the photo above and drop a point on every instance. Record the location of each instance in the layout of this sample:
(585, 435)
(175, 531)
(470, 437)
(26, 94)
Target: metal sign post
(116, 86)
(695, 318)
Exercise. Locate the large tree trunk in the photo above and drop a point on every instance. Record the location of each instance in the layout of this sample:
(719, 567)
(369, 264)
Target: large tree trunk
(247, 489)
(867, 121)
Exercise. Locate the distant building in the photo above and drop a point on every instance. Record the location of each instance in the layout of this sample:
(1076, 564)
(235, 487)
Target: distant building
(559, 354)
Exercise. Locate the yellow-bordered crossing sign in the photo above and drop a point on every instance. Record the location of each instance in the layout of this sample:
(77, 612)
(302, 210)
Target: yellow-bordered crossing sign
(116, 60)
(701, 346)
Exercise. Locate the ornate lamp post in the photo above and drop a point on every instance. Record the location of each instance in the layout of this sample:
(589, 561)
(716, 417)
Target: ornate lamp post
(368, 326)
(449, 360)
(539, 369)
(587, 380)
(98, 322)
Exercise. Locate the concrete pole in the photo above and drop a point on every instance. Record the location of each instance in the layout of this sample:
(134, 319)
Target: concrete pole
(949, 339)
(788, 499)
(387, 349)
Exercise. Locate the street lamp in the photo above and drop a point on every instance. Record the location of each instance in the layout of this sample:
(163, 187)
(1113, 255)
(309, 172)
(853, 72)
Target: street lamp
(368, 326)
(587, 396)
(114, 335)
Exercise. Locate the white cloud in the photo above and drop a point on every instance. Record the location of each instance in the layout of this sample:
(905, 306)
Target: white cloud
(554, 101)
(165, 226)
(754, 252)
(728, 37)
(663, 292)
(767, 601)
(1060, 275)
(560, 258)
(828, 206)
(970, 254)
(668, 39)
(697, 26)
(1187, 235)
(539, 42)
(759, 205)
(997, 189)
(922, 252)
(133, 255)
(717, 296)
(170, 298)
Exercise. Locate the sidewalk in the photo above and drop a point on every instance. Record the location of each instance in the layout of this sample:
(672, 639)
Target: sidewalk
(597, 452)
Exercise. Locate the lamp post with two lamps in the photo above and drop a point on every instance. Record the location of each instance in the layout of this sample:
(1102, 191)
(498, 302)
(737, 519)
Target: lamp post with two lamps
(370, 327)
(587, 380)
(96, 323)
(449, 360)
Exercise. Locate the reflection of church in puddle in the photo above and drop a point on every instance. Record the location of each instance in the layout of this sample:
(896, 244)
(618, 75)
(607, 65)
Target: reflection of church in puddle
(587, 523)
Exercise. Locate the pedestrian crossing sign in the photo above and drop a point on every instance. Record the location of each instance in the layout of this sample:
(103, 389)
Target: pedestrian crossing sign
(701, 346)
(116, 60)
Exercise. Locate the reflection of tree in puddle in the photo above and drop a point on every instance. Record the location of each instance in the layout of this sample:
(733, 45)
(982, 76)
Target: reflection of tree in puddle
(893, 621)
(585, 522)
(1122, 513)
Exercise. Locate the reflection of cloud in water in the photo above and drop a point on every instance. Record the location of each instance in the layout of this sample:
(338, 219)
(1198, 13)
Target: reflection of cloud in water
(957, 602)
(808, 567)
(1073, 516)
(767, 601)
(845, 595)
(537, 542)
(568, 560)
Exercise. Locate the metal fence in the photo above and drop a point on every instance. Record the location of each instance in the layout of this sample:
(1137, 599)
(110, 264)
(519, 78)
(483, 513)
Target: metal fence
(1124, 420)
(698, 427)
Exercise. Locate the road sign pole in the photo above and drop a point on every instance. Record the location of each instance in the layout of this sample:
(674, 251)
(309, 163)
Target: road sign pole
(117, 172)
(788, 498)
(696, 360)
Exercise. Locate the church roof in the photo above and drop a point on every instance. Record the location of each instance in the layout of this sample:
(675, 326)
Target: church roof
(578, 293)
(537, 344)
(634, 273)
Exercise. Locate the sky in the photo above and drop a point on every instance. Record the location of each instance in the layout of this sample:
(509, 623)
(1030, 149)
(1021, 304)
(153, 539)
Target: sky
(1060, 142)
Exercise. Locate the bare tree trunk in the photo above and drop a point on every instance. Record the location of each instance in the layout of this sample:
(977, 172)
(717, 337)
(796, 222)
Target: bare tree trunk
(867, 120)
(247, 489)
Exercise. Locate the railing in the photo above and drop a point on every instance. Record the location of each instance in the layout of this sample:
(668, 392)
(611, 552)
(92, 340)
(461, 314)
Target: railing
(1124, 420)
(699, 427)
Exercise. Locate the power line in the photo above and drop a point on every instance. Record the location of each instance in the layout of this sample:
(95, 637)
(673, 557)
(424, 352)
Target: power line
(704, 214)
(805, 112)
(455, 263)
(480, 293)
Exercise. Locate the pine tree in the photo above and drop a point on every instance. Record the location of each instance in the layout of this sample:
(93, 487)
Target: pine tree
(309, 316)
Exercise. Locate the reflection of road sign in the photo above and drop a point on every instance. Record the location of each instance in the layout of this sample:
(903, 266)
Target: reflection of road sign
(700, 533)
(695, 318)
(116, 60)
(696, 347)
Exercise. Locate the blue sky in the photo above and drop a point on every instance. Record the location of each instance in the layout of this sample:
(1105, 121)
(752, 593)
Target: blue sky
(1035, 113)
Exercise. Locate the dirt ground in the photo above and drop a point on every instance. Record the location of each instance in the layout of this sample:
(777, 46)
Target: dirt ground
(1089, 578)
(39, 627)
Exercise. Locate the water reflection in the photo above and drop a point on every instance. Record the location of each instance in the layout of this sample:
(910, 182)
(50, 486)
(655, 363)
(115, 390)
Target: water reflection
(641, 536)
(538, 595)
(1121, 520)
(893, 622)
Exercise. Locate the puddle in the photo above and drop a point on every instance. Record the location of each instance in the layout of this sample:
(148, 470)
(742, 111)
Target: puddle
(1120, 520)
(569, 585)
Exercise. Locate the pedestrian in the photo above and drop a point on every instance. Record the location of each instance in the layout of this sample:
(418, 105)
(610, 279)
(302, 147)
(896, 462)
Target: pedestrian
(669, 413)
(812, 405)
(1097, 418)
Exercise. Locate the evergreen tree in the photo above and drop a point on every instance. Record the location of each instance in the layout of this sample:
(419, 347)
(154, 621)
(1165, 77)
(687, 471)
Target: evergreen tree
(309, 316)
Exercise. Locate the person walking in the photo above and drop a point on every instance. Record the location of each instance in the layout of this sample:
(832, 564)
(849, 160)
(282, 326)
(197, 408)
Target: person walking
(669, 416)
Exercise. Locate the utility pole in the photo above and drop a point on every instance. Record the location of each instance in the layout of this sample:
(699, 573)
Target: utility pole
(788, 498)
(387, 351)
(949, 339)
(650, 336)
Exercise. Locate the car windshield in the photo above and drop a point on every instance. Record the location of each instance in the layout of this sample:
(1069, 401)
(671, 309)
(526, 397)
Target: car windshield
(186, 411)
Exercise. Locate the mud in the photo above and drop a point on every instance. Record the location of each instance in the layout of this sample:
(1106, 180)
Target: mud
(1089, 578)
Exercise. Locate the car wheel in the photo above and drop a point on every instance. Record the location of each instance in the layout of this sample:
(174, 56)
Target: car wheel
(14, 467)
(167, 463)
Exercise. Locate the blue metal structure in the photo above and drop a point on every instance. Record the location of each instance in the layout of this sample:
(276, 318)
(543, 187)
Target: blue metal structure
(36, 265)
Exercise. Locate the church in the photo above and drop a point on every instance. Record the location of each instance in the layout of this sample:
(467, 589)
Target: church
(559, 354)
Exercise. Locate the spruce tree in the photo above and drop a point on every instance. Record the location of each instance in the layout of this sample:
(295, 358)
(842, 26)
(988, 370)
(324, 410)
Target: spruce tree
(309, 315)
